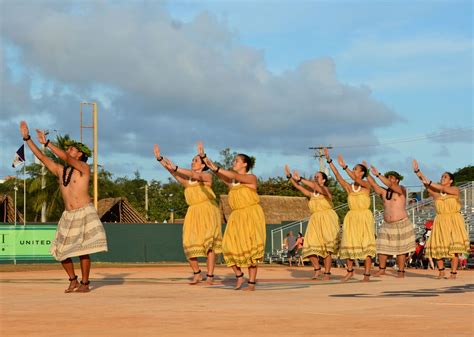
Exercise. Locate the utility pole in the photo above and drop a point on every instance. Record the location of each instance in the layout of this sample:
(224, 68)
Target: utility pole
(318, 153)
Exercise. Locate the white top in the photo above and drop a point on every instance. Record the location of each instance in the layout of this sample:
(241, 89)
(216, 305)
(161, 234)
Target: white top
(316, 194)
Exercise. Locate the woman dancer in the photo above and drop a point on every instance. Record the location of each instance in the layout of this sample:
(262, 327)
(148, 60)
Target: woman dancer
(202, 236)
(448, 238)
(358, 233)
(322, 232)
(244, 238)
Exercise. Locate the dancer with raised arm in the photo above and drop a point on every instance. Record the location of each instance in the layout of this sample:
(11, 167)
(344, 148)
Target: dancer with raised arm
(79, 231)
(202, 233)
(243, 244)
(449, 237)
(322, 232)
(358, 233)
(396, 235)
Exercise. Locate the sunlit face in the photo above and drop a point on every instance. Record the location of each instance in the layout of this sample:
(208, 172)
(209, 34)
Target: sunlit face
(358, 171)
(318, 177)
(197, 164)
(446, 180)
(239, 164)
(393, 180)
(74, 152)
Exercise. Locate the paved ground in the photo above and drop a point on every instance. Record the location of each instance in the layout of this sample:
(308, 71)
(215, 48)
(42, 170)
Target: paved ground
(157, 301)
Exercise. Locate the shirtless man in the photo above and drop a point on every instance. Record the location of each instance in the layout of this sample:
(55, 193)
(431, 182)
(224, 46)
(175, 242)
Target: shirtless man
(396, 235)
(80, 231)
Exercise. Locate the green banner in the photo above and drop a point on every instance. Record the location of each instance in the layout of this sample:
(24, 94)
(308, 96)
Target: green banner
(26, 243)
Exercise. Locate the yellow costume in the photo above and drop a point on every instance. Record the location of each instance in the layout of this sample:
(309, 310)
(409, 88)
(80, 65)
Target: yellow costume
(202, 223)
(449, 235)
(244, 237)
(358, 233)
(322, 233)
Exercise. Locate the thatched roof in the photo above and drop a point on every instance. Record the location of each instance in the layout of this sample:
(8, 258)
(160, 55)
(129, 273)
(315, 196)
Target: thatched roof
(118, 210)
(277, 209)
(7, 210)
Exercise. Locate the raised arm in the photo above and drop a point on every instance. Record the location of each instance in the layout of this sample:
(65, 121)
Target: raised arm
(79, 165)
(315, 186)
(53, 167)
(294, 181)
(395, 188)
(169, 166)
(350, 173)
(453, 190)
(379, 190)
(345, 185)
(173, 170)
(431, 191)
(226, 175)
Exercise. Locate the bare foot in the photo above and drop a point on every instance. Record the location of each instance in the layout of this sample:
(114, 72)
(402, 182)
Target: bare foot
(73, 284)
(349, 274)
(366, 278)
(327, 276)
(196, 278)
(209, 279)
(400, 274)
(83, 288)
(380, 272)
(240, 281)
(441, 274)
(453, 275)
(250, 287)
(317, 272)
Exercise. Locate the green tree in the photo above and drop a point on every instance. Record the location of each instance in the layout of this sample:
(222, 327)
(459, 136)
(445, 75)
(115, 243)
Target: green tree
(464, 174)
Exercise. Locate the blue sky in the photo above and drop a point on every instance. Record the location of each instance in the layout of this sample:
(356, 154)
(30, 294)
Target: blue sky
(269, 78)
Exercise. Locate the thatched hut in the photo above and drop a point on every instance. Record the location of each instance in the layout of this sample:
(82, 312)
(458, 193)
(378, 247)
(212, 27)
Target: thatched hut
(277, 209)
(118, 210)
(7, 210)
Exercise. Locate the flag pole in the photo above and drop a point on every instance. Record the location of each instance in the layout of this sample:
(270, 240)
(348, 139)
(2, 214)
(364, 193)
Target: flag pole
(24, 192)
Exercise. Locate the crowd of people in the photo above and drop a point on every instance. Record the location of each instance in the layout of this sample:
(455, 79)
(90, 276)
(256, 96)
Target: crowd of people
(81, 233)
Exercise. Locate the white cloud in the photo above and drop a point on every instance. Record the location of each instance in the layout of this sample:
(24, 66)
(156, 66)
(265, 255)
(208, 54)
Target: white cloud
(172, 82)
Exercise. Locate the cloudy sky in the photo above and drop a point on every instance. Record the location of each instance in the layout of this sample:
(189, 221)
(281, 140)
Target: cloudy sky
(382, 81)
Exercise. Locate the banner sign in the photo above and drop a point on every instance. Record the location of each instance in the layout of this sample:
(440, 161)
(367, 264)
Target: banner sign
(26, 242)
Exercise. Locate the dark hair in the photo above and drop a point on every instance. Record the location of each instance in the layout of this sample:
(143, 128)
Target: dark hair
(84, 157)
(325, 177)
(364, 169)
(202, 162)
(395, 174)
(451, 176)
(250, 161)
(300, 234)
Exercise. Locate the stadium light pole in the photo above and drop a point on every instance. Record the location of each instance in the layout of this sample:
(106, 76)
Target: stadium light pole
(95, 147)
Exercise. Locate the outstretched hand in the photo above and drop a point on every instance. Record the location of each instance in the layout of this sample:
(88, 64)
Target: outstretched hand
(375, 172)
(326, 154)
(168, 164)
(156, 149)
(41, 136)
(287, 171)
(296, 175)
(415, 165)
(200, 148)
(341, 161)
(210, 164)
(24, 129)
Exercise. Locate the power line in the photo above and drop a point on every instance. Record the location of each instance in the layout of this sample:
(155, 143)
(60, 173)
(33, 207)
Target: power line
(453, 132)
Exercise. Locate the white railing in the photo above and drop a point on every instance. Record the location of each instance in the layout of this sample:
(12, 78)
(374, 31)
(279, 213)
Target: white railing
(419, 212)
